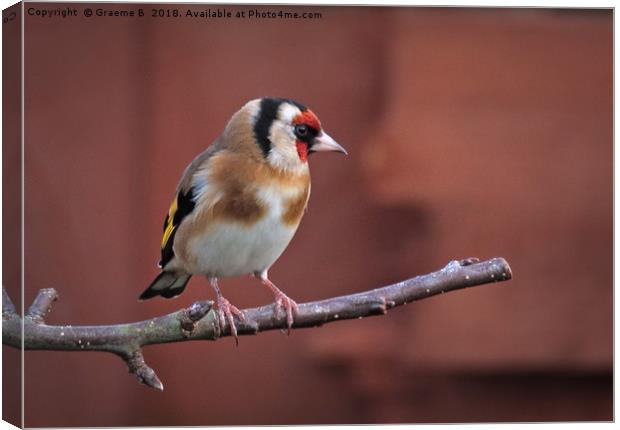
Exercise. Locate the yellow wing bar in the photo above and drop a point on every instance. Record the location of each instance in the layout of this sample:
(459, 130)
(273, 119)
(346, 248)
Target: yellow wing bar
(169, 223)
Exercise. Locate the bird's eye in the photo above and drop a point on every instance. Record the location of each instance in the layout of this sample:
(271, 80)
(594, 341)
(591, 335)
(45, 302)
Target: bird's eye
(301, 130)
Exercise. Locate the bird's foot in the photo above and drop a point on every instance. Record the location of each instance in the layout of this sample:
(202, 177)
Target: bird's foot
(288, 305)
(283, 302)
(225, 311)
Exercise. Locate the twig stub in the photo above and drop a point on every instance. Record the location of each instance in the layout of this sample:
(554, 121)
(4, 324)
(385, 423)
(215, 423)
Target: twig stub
(8, 308)
(188, 317)
(146, 375)
(41, 305)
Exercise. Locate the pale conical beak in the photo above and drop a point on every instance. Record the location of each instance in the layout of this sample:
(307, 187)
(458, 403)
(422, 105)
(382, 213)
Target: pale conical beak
(324, 142)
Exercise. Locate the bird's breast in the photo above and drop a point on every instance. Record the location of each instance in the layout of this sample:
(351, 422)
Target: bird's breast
(285, 203)
(246, 231)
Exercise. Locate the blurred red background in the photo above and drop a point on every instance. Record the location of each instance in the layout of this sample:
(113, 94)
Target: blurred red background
(471, 132)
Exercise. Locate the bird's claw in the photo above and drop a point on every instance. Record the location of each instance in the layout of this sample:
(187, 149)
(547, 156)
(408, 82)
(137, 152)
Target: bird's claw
(225, 313)
(285, 303)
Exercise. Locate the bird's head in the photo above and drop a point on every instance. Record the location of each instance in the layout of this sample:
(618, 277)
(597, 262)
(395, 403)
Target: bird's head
(287, 132)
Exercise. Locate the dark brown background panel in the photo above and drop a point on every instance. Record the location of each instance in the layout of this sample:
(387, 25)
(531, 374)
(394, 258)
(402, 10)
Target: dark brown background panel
(471, 132)
(12, 202)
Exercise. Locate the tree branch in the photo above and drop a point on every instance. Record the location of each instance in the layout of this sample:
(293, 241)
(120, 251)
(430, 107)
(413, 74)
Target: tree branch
(200, 321)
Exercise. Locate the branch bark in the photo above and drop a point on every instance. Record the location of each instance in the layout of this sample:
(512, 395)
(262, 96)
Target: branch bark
(200, 320)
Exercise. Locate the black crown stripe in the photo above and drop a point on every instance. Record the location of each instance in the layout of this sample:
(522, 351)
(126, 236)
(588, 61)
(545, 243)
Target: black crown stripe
(266, 116)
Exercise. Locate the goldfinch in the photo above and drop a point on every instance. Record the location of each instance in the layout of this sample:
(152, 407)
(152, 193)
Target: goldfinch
(239, 203)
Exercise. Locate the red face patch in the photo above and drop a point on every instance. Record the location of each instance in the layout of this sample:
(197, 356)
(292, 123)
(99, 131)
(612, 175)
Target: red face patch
(309, 118)
(302, 150)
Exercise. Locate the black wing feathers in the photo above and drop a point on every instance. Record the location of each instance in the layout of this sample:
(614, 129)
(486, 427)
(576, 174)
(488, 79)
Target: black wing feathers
(182, 206)
(167, 284)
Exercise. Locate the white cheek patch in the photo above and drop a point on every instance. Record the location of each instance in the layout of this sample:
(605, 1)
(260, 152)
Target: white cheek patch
(283, 154)
(281, 136)
(286, 158)
(281, 133)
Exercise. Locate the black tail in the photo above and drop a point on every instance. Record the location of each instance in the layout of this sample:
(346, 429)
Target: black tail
(167, 284)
